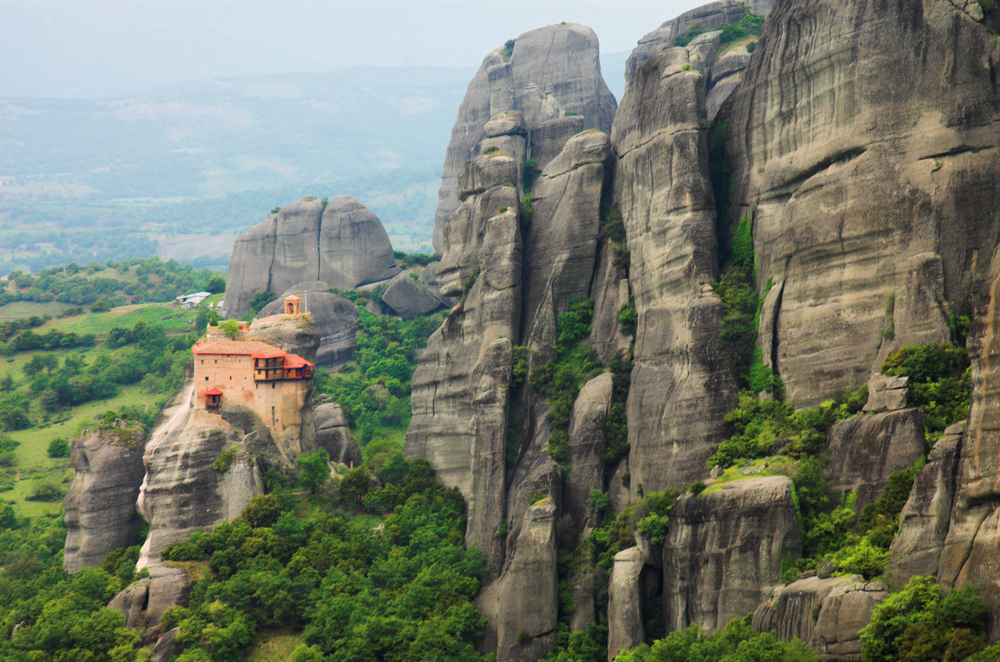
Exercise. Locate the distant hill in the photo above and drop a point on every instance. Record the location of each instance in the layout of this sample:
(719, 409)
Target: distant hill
(214, 156)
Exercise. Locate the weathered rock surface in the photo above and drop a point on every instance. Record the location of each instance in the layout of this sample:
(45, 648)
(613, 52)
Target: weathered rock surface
(790, 611)
(552, 70)
(167, 647)
(460, 388)
(887, 393)
(876, 198)
(709, 16)
(342, 244)
(335, 317)
(846, 609)
(408, 299)
(296, 336)
(923, 523)
(971, 553)
(560, 246)
(723, 553)
(625, 620)
(587, 437)
(334, 436)
(100, 503)
(144, 602)
(528, 600)
(682, 386)
(865, 449)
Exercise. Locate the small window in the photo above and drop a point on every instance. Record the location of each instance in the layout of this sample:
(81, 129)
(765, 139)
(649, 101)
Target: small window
(230, 378)
(206, 378)
(272, 385)
(203, 361)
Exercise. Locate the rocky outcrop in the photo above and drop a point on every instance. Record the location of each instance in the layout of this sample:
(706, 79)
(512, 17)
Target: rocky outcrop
(682, 386)
(341, 243)
(334, 436)
(408, 299)
(552, 71)
(587, 437)
(708, 17)
(335, 317)
(846, 609)
(560, 246)
(625, 622)
(460, 388)
(295, 336)
(923, 523)
(971, 552)
(723, 553)
(828, 614)
(100, 503)
(887, 393)
(874, 202)
(144, 602)
(528, 606)
(864, 450)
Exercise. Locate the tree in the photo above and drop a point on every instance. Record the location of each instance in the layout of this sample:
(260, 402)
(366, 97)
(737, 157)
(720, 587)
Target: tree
(315, 470)
(231, 328)
(100, 306)
(58, 447)
(216, 284)
(355, 484)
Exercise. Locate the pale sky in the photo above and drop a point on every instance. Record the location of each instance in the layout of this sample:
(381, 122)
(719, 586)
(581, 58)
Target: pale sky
(92, 48)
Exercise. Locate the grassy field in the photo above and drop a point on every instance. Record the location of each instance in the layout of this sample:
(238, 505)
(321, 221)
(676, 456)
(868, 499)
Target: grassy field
(34, 464)
(274, 647)
(170, 316)
(21, 309)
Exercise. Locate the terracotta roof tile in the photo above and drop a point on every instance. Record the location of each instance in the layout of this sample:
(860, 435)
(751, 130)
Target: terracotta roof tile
(243, 347)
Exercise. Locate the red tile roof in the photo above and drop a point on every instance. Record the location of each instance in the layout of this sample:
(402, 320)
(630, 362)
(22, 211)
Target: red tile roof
(242, 347)
(213, 391)
(293, 361)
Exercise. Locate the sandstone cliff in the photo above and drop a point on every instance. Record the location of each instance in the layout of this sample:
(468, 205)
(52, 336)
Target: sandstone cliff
(100, 504)
(874, 202)
(682, 386)
(552, 71)
(341, 243)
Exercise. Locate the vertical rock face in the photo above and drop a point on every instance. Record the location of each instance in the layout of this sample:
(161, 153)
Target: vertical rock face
(334, 436)
(923, 523)
(561, 244)
(587, 438)
(335, 317)
(681, 385)
(460, 389)
(709, 16)
(100, 503)
(872, 187)
(846, 609)
(625, 623)
(552, 71)
(971, 553)
(864, 450)
(723, 553)
(528, 604)
(342, 244)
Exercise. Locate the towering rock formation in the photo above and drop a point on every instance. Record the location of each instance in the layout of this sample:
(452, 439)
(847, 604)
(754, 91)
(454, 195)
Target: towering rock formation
(708, 17)
(460, 389)
(341, 243)
(100, 503)
(552, 71)
(865, 147)
(682, 386)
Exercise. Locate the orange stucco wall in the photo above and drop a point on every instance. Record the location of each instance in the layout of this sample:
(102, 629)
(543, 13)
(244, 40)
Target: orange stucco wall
(278, 403)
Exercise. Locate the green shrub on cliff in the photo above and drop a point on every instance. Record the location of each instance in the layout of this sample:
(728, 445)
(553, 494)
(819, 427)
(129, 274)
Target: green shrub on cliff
(737, 642)
(940, 382)
(916, 624)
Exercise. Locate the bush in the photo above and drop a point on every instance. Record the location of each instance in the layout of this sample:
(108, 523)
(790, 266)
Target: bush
(940, 382)
(697, 488)
(58, 447)
(916, 624)
(224, 462)
(45, 491)
(314, 470)
(231, 328)
(628, 317)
